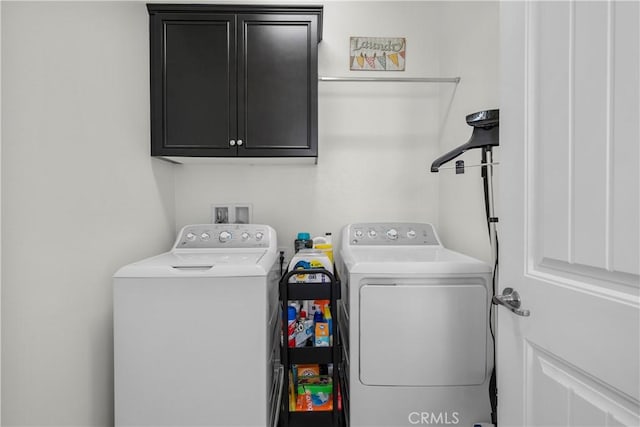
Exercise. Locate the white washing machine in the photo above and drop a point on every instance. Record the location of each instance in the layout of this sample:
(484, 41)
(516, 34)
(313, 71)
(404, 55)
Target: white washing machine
(415, 328)
(196, 331)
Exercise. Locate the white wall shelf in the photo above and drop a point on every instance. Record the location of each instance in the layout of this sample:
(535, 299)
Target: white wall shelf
(391, 79)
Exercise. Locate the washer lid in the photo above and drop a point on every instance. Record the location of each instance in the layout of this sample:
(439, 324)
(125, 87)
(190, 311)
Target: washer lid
(202, 264)
(410, 260)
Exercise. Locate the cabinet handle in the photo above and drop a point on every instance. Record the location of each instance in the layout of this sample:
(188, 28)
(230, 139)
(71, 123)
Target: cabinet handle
(232, 142)
(239, 142)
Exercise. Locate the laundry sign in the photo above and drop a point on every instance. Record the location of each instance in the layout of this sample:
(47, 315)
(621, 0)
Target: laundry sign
(377, 53)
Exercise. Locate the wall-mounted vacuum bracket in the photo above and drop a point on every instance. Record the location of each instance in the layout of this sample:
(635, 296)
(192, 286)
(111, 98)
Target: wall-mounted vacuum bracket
(485, 135)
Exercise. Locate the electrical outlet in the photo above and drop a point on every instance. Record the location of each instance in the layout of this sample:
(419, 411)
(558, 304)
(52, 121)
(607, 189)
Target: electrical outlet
(288, 253)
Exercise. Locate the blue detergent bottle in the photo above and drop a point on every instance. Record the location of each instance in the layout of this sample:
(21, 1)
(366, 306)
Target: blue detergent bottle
(303, 242)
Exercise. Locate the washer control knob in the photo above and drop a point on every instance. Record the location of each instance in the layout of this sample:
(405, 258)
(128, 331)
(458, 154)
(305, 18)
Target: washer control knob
(224, 237)
(205, 236)
(245, 236)
(191, 237)
(392, 234)
(373, 234)
(259, 235)
(359, 234)
(412, 234)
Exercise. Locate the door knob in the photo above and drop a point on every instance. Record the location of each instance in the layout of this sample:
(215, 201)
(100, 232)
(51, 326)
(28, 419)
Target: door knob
(232, 142)
(511, 300)
(239, 142)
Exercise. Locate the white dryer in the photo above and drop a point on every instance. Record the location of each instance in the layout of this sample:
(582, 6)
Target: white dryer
(196, 331)
(415, 328)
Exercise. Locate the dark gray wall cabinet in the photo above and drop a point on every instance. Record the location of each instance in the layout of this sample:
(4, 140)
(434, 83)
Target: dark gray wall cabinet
(234, 80)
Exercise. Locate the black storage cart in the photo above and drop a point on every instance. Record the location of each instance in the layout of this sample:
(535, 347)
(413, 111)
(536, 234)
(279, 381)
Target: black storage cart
(304, 355)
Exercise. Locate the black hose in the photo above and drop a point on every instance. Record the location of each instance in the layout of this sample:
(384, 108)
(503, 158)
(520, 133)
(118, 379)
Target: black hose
(281, 263)
(493, 388)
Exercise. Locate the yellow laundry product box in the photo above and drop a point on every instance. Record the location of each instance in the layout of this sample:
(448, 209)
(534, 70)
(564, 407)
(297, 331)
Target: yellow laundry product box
(321, 335)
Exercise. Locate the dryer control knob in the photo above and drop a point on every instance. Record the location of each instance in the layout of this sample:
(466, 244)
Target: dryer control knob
(259, 236)
(225, 236)
(245, 236)
(392, 234)
(191, 237)
(359, 234)
(411, 234)
(373, 234)
(205, 236)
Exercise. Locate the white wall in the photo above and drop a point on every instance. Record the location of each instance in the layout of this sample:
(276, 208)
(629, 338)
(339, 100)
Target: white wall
(0, 215)
(80, 198)
(376, 140)
(469, 48)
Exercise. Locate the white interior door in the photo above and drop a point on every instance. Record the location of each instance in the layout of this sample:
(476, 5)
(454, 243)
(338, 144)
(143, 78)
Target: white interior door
(569, 208)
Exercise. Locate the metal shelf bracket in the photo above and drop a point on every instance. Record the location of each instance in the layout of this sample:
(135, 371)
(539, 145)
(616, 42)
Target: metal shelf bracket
(391, 79)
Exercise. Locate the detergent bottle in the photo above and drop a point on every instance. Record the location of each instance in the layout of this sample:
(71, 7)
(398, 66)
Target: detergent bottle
(324, 243)
(291, 326)
(303, 242)
(306, 259)
(329, 320)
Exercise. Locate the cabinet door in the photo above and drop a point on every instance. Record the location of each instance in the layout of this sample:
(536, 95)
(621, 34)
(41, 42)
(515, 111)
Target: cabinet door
(193, 84)
(277, 85)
